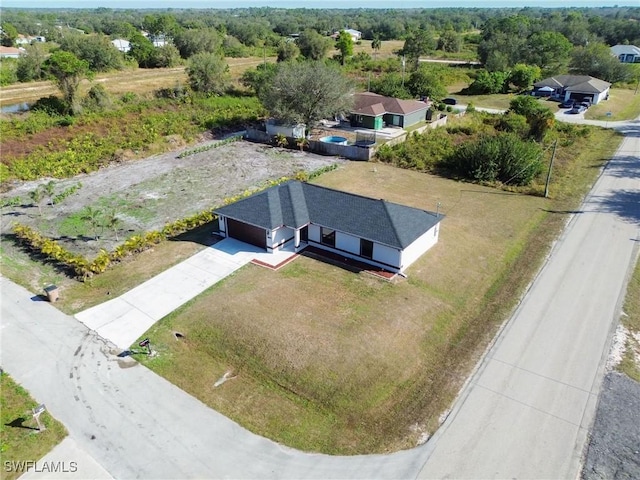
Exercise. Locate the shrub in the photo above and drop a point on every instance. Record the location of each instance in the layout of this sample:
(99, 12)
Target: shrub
(504, 157)
(50, 105)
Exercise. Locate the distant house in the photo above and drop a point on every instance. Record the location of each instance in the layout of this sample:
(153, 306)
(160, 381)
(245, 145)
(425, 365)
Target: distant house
(26, 40)
(355, 34)
(121, 44)
(573, 87)
(378, 232)
(11, 52)
(626, 53)
(373, 111)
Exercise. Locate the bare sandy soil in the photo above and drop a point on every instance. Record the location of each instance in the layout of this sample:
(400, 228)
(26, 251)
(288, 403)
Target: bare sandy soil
(147, 194)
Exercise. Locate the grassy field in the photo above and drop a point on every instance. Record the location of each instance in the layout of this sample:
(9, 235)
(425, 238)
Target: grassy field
(631, 361)
(19, 437)
(623, 104)
(338, 362)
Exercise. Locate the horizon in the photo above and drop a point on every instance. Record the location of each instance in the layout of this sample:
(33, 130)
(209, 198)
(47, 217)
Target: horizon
(297, 4)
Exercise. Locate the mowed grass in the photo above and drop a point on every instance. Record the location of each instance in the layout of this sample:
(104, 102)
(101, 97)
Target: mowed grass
(20, 440)
(630, 364)
(623, 104)
(339, 362)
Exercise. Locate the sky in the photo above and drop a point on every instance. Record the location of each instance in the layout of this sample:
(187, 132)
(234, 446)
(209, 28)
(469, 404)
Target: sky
(181, 4)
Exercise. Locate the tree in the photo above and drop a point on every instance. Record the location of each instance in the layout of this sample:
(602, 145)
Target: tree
(113, 222)
(523, 76)
(166, 56)
(189, 42)
(376, 45)
(539, 117)
(312, 45)
(307, 92)
(344, 43)
(257, 78)
(287, 50)
(450, 41)
(489, 82)
(390, 85)
(94, 217)
(100, 54)
(30, 65)
(208, 73)
(423, 82)
(596, 60)
(9, 35)
(68, 71)
(49, 189)
(159, 25)
(417, 44)
(548, 50)
(36, 196)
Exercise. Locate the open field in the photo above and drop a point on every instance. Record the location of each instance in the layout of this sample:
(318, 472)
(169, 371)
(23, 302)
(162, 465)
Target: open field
(19, 437)
(138, 81)
(623, 104)
(334, 361)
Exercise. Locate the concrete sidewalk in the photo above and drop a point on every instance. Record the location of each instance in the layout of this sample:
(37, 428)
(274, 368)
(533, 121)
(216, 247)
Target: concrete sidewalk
(124, 319)
(67, 460)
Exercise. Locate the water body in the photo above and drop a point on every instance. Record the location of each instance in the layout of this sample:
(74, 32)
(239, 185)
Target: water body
(14, 108)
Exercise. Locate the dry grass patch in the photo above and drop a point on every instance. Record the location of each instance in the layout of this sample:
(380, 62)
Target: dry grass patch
(623, 104)
(630, 364)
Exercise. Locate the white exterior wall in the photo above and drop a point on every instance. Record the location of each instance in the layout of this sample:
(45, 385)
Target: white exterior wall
(348, 243)
(601, 96)
(278, 236)
(314, 233)
(421, 244)
(387, 255)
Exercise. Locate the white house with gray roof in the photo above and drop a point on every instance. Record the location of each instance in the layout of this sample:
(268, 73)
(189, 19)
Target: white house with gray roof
(382, 233)
(626, 53)
(575, 87)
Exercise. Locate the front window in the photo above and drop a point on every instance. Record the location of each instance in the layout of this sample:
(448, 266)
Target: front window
(328, 237)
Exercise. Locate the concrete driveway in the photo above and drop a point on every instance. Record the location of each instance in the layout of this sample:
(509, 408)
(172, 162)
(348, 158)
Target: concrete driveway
(124, 319)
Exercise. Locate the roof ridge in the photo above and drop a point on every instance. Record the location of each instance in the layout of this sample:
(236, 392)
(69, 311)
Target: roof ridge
(385, 205)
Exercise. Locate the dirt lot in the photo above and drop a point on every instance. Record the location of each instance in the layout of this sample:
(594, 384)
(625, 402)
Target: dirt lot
(147, 194)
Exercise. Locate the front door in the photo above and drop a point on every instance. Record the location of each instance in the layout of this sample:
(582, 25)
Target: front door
(304, 234)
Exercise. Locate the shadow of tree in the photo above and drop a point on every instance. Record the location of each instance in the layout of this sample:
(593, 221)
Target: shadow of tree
(624, 166)
(624, 203)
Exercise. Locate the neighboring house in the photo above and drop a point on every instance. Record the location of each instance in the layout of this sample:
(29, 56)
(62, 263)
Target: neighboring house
(574, 87)
(273, 127)
(355, 34)
(24, 40)
(11, 52)
(626, 53)
(121, 44)
(373, 111)
(381, 233)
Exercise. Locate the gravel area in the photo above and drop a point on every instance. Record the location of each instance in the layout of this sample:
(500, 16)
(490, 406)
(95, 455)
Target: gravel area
(614, 445)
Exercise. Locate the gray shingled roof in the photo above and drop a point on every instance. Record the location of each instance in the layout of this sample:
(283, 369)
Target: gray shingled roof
(364, 100)
(294, 204)
(575, 83)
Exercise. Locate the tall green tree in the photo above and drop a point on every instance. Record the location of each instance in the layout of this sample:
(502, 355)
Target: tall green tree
(344, 43)
(376, 45)
(30, 65)
(523, 76)
(312, 45)
(9, 35)
(548, 50)
(450, 41)
(68, 71)
(189, 42)
(424, 82)
(417, 44)
(307, 92)
(596, 60)
(97, 50)
(208, 73)
(287, 50)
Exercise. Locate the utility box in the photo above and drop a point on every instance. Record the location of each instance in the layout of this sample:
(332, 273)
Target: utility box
(52, 293)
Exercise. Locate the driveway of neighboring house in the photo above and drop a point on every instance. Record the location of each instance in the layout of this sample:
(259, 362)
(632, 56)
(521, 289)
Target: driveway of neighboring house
(125, 318)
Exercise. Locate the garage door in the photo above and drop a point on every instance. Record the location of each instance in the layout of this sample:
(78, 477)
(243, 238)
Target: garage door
(247, 233)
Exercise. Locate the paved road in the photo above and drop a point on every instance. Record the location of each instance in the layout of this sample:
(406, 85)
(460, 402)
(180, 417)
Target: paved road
(527, 410)
(138, 425)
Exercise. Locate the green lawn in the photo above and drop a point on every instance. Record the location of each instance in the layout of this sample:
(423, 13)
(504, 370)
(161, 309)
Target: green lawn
(20, 440)
(623, 104)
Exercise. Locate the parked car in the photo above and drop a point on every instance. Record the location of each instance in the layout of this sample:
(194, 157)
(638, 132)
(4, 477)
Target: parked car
(577, 108)
(567, 104)
(585, 104)
(450, 101)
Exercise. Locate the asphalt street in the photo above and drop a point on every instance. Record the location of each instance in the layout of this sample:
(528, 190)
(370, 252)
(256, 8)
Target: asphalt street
(525, 412)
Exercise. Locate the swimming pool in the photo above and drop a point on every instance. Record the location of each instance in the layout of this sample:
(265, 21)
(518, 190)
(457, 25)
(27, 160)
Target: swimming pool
(338, 140)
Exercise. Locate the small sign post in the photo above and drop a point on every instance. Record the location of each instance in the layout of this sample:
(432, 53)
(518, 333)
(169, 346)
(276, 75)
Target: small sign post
(146, 343)
(608, 117)
(36, 415)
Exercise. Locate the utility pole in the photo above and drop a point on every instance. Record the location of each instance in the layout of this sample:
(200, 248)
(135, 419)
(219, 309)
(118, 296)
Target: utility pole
(403, 63)
(553, 156)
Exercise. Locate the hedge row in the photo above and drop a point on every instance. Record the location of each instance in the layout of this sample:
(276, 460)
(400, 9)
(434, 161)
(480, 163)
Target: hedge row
(205, 148)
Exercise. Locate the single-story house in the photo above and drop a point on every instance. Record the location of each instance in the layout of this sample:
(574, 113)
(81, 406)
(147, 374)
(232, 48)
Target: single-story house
(574, 87)
(121, 44)
(11, 52)
(373, 111)
(382, 233)
(626, 53)
(355, 34)
(25, 40)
